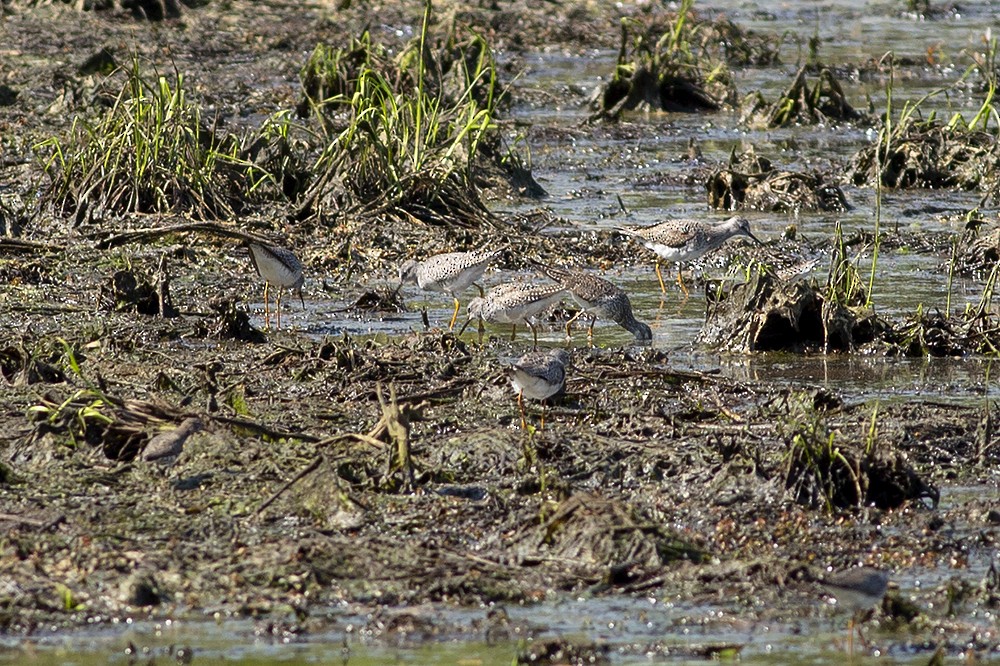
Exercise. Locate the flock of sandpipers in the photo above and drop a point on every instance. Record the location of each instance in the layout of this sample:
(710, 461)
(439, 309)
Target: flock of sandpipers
(538, 374)
(541, 374)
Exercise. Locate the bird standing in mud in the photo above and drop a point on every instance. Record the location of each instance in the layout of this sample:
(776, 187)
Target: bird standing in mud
(514, 303)
(451, 273)
(538, 375)
(279, 268)
(858, 590)
(598, 298)
(685, 240)
(165, 447)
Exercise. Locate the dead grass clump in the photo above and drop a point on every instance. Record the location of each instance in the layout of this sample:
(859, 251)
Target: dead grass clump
(751, 182)
(149, 152)
(562, 651)
(664, 67)
(604, 537)
(978, 253)
(976, 331)
(739, 46)
(768, 314)
(120, 428)
(930, 154)
(823, 473)
(801, 104)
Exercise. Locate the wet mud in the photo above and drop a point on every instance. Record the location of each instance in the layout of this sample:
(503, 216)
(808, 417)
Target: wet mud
(161, 455)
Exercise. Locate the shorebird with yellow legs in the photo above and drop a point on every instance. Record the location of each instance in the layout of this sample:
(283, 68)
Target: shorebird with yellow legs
(598, 298)
(279, 268)
(857, 590)
(451, 273)
(683, 240)
(514, 303)
(538, 375)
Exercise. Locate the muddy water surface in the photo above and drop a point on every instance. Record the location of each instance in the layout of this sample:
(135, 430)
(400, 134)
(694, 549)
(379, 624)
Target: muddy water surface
(749, 601)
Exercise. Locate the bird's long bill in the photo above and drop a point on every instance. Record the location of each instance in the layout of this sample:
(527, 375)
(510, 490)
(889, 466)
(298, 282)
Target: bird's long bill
(464, 326)
(754, 238)
(301, 298)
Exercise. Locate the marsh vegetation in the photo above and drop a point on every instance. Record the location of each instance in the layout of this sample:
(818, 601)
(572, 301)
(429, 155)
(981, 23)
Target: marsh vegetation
(823, 401)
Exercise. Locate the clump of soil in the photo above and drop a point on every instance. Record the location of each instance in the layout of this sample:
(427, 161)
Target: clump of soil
(561, 651)
(231, 322)
(751, 182)
(824, 472)
(21, 367)
(656, 71)
(772, 313)
(125, 291)
(768, 314)
(678, 62)
(929, 154)
(802, 104)
(978, 252)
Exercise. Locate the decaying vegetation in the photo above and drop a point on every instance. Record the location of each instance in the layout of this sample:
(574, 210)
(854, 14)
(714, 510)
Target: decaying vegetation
(751, 182)
(386, 471)
(661, 68)
(917, 152)
(768, 312)
(823, 102)
(930, 154)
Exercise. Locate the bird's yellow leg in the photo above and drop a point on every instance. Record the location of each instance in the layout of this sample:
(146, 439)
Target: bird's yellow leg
(513, 332)
(569, 336)
(267, 314)
(454, 317)
(541, 424)
(680, 280)
(277, 307)
(659, 275)
(520, 406)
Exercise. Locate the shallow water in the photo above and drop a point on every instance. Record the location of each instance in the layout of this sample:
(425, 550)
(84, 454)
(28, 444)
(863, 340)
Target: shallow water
(585, 170)
(643, 630)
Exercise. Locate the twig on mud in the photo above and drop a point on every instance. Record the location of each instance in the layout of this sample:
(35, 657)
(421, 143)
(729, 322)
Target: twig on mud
(364, 439)
(17, 245)
(725, 428)
(656, 581)
(730, 414)
(480, 560)
(311, 467)
(34, 522)
(151, 234)
(262, 429)
(449, 390)
(45, 309)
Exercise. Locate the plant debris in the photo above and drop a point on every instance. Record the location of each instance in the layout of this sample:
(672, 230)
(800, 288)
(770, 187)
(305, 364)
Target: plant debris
(801, 104)
(750, 182)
